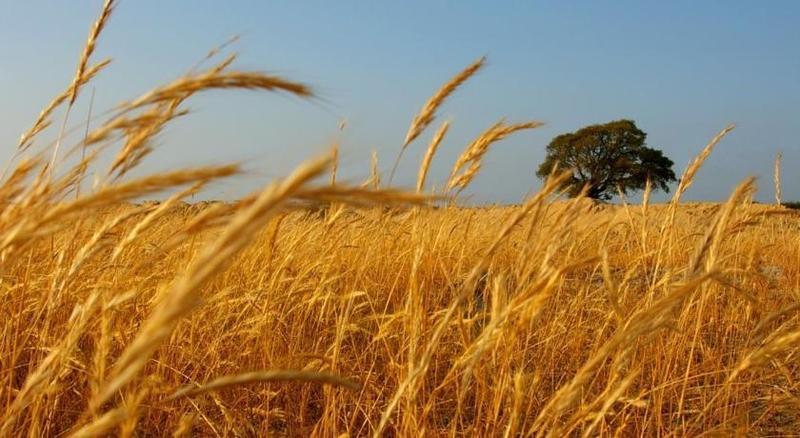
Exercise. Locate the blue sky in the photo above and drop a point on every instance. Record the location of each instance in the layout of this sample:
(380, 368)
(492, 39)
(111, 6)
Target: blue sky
(681, 69)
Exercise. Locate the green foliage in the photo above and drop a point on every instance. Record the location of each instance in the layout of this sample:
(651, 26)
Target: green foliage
(794, 205)
(606, 157)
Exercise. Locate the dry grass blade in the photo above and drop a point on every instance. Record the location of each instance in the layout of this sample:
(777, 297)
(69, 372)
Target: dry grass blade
(138, 138)
(374, 173)
(13, 186)
(88, 49)
(762, 355)
(102, 425)
(426, 161)
(776, 177)
(685, 182)
(335, 164)
(43, 120)
(428, 112)
(475, 151)
(709, 248)
(186, 86)
(267, 376)
(694, 166)
(81, 76)
(759, 331)
(214, 51)
(129, 124)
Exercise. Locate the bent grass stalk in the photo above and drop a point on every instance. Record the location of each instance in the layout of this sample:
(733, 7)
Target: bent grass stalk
(427, 114)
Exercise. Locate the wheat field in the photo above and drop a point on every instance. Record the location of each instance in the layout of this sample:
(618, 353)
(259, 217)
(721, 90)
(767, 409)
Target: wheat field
(319, 308)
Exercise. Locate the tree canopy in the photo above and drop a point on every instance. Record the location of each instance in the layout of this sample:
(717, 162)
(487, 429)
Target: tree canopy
(607, 157)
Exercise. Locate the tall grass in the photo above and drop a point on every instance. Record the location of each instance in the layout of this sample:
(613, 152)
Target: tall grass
(313, 307)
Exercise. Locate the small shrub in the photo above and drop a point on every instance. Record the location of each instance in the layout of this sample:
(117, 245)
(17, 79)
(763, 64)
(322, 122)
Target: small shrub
(794, 205)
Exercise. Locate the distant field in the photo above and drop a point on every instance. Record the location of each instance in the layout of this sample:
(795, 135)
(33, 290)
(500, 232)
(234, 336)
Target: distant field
(581, 320)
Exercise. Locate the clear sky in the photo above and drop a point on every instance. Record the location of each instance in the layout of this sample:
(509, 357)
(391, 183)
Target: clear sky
(681, 69)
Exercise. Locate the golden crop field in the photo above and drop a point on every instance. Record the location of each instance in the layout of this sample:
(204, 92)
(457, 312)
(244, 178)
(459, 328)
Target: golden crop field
(318, 308)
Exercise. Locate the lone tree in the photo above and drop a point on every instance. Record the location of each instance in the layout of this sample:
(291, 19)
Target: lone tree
(607, 157)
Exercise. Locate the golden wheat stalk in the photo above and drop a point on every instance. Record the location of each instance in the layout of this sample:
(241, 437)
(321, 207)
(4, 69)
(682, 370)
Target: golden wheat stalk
(185, 425)
(130, 125)
(103, 424)
(89, 47)
(13, 186)
(267, 376)
(709, 247)
(214, 51)
(475, 151)
(685, 182)
(694, 166)
(79, 78)
(427, 114)
(334, 164)
(43, 120)
(184, 87)
(777, 178)
(138, 139)
(426, 161)
(375, 176)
